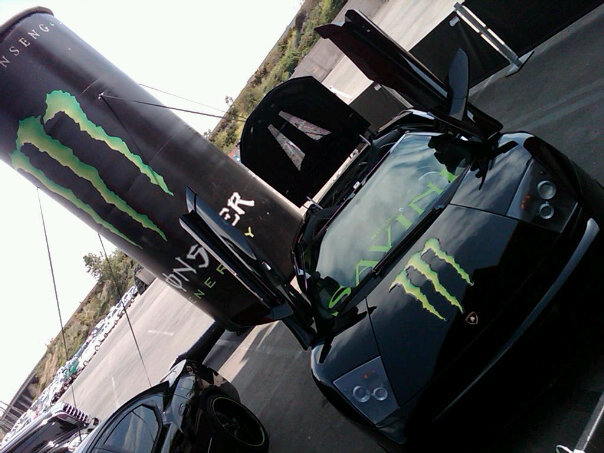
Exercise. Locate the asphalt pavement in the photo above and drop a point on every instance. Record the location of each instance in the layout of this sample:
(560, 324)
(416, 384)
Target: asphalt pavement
(558, 94)
(266, 365)
(164, 324)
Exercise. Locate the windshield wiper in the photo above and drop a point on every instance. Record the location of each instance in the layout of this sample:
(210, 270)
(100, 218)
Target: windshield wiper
(393, 253)
(427, 218)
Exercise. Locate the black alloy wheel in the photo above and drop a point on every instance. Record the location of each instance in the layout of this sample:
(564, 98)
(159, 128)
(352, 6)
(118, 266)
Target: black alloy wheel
(238, 429)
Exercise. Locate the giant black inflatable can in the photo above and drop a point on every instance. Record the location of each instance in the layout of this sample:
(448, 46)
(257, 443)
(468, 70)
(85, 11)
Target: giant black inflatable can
(80, 129)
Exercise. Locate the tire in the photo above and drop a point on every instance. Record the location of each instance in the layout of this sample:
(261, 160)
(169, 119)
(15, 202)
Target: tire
(236, 428)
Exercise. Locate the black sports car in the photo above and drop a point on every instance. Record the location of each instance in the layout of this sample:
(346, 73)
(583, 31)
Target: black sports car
(439, 254)
(192, 409)
(53, 431)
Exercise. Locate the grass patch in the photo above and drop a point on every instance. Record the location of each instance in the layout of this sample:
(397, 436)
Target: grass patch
(95, 306)
(277, 67)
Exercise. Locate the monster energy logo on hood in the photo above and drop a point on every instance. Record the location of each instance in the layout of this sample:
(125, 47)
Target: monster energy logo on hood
(31, 131)
(416, 262)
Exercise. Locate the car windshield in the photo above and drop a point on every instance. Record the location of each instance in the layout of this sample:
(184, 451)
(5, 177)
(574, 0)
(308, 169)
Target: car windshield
(407, 184)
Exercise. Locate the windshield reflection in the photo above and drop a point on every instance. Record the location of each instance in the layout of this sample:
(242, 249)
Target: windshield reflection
(407, 184)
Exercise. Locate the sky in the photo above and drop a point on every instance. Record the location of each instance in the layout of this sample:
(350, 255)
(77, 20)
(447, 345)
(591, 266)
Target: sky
(200, 50)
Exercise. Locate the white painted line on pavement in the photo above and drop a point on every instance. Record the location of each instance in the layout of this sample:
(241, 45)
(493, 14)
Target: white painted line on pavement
(117, 403)
(161, 332)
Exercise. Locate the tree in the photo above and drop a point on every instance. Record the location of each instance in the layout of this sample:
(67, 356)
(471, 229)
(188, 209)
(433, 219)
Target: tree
(94, 265)
(115, 273)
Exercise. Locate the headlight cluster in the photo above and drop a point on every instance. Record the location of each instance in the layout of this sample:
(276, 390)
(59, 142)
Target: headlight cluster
(368, 389)
(546, 189)
(541, 200)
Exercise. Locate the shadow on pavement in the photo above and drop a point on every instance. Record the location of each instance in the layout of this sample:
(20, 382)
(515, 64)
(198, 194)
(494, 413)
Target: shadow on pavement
(274, 380)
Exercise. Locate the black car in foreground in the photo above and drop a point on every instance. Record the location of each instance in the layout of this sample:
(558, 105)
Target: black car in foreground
(53, 431)
(443, 269)
(193, 409)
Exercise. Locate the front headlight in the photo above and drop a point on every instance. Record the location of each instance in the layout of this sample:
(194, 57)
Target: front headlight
(368, 389)
(542, 199)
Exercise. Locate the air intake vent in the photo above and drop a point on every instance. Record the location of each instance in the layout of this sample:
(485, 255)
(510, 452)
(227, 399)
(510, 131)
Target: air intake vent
(76, 413)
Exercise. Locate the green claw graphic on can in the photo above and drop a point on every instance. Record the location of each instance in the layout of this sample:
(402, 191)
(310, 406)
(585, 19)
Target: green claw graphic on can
(417, 263)
(31, 131)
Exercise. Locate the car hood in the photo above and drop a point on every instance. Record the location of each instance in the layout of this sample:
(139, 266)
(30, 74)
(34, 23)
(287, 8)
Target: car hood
(444, 302)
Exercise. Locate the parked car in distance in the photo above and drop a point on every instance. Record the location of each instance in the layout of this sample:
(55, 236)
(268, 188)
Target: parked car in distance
(89, 352)
(128, 297)
(192, 409)
(142, 278)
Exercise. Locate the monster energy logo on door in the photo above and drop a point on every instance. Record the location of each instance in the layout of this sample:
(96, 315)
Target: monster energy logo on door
(31, 131)
(417, 262)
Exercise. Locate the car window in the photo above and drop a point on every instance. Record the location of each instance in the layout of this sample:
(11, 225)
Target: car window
(407, 184)
(49, 430)
(136, 432)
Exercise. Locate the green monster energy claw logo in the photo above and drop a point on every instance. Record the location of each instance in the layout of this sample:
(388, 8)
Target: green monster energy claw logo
(31, 131)
(417, 262)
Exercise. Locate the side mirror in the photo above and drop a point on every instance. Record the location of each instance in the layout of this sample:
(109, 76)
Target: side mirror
(457, 82)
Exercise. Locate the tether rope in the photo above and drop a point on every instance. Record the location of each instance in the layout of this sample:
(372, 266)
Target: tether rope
(117, 289)
(196, 112)
(181, 97)
(54, 285)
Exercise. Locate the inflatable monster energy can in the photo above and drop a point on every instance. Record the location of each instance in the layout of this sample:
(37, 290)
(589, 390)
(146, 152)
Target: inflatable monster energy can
(81, 130)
